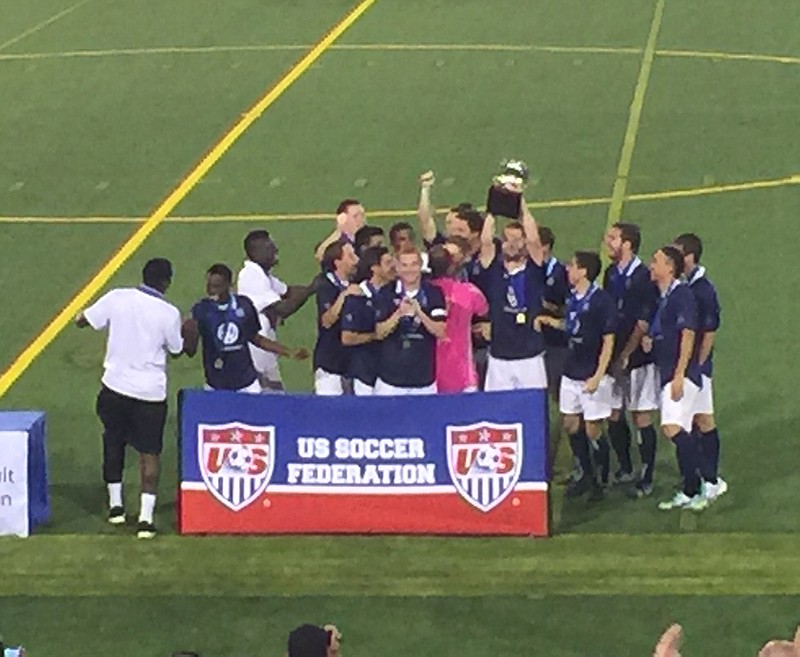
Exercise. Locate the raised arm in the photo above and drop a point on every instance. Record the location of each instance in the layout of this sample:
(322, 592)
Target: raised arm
(425, 210)
(535, 251)
(488, 247)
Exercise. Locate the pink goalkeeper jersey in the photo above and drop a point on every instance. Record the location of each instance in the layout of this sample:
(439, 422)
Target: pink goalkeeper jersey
(455, 367)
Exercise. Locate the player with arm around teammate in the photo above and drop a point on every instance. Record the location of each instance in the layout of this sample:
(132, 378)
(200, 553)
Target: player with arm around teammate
(227, 324)
(585, 397)
(671, 338)
(708, 317)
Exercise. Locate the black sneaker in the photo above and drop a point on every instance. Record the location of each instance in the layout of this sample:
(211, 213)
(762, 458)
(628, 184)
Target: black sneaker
(640, 490)
(146, 530)
(116, 515)
(596, 494)
(580, 487)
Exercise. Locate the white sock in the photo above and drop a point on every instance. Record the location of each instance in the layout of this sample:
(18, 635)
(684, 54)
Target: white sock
(148, 504)
(114, 495)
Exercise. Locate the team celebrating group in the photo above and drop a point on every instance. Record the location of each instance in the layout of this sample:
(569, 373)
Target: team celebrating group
(472, 311)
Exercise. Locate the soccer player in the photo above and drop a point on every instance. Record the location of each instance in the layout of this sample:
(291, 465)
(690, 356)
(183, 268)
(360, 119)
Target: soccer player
(556, 292)
(455, 366)
(461, 221)
(350, 218)
(514, 285)
(636, 385)
(375, 270)
(367, 237)
(411, 317)
(671, 338)
(330, 355)
(272, 298)
(227, 323)
(708, 317)
(143, 327)
(585, 396)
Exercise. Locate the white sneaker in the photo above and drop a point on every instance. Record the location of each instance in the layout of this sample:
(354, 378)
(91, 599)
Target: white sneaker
(712, 491)
(697, 503)
(680, 501)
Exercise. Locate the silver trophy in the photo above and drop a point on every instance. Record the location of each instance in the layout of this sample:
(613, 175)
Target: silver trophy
(513, 175)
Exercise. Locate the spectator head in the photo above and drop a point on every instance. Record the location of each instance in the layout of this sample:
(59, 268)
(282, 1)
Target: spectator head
(259, 248)
(157, 274)
(367, 237)
(401, 234)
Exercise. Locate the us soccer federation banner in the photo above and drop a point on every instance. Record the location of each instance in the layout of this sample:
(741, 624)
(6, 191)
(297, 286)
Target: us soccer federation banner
(283, 464)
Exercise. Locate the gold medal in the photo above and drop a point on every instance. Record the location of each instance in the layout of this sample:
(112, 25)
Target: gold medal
(219, 363)
(521, 318)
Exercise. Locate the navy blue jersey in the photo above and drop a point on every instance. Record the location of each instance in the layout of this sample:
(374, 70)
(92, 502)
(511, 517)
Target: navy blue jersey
(407, 357)
(226, 330)
(589, 319)
(358, 316)
(635, 297)
(708, 312)
(515, 299)
(329, 353)
(676, 312)
(556, 292)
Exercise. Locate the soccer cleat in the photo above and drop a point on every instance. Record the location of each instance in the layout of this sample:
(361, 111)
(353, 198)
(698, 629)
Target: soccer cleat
(697, 503)
(146, 530)
(640, 490)
(116, 515)
(596, 494)
(622, 477)
(712, 491)
(580, 487)
(679, 501)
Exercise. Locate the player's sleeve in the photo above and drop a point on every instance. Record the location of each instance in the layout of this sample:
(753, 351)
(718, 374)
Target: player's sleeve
(686, 317)
(174, 339)
(437, 305)
(708, 310)
(99, 313)
(250, 285)
(647, 298)
(608, 318)
(479, 306)
(251, 323)
(355, 316)
(384, 305)
(278, 286)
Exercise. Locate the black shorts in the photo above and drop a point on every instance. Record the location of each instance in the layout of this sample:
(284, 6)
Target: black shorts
(554, 359)
(134, 422)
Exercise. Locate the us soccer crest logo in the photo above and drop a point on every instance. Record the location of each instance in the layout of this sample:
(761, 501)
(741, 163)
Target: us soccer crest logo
(485, 461)
(236, 461)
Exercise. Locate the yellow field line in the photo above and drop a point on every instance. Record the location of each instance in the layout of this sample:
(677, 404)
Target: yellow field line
(40, 26)
(40, 343)
(691, 192)
(634, 118)
(397, 47)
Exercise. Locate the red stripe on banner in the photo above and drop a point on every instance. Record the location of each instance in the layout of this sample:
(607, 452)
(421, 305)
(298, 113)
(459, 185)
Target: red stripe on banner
(523, 513)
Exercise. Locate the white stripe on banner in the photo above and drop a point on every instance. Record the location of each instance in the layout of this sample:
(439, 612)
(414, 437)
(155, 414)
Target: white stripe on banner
(444, 489)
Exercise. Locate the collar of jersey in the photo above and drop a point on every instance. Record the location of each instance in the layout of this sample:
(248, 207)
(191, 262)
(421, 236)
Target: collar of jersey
(670, 289)
(151, 291)
(697, 273)
(519, 269)
(400, 288)
(632, 266)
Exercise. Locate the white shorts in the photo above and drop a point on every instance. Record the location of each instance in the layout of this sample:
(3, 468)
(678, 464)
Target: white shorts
(265, 362)
(523, 374)
(574, 400)
(361, 389)
(679, 412)
(638, 390)
(254, 388)
(327, 384)
(384, 389)
(704, 404)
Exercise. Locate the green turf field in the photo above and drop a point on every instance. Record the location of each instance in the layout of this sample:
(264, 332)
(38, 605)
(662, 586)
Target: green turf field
(692, 112)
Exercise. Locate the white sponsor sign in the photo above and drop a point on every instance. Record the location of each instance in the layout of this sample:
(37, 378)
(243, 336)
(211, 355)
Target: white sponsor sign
(14, 483)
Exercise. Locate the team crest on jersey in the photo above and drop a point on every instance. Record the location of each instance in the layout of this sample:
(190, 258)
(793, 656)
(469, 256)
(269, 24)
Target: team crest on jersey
(236, 461)
(485, 461)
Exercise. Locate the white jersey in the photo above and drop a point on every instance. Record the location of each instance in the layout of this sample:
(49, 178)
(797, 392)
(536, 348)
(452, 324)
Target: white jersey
(263, 289)
(142, 328)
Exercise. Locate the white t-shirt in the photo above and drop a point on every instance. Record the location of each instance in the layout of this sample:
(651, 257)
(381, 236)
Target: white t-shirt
(263, 290)
(142, 328)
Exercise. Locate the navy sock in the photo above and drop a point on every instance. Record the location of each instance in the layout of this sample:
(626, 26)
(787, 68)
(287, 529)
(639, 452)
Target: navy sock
(580, 448)
(688, 462)
(709, 446)
(620, 435)
(602, 458)
(647, 451)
